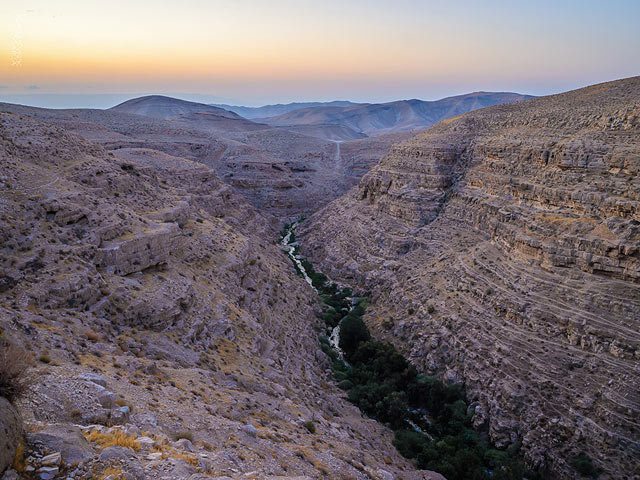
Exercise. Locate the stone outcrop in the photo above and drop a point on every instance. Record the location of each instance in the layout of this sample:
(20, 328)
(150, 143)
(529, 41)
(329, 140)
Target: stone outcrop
(137, 252)
(502, 250)
(10, 433)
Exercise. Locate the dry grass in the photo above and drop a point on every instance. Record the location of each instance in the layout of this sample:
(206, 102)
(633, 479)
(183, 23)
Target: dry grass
(124, 403)
(45, 358)
(14, 362)
(162, 446)
(114, 438)
(309, 457)
(19, 464)
(116, 472)
(187, 457)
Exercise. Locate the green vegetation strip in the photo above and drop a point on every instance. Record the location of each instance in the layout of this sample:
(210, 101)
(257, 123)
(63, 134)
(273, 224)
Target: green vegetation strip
(431, 420)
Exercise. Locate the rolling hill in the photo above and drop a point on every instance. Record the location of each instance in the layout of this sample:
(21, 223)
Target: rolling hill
(168, 107)
(379, 118)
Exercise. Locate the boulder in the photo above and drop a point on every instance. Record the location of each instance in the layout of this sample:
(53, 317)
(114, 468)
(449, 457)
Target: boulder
(10, 433)
(67, 440)
(48, 473)
(106, 399)
(94, 378)
(120, 415)
(51, 459)
(184, 444)
(116, 454)
(146, 443)
(250, 430)
(10, 474)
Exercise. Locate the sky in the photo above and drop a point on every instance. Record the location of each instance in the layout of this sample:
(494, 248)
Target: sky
(93, 53)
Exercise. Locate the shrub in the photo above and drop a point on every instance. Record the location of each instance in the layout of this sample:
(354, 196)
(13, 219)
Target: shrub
(384, 386)
(310, 426)
(14, 362)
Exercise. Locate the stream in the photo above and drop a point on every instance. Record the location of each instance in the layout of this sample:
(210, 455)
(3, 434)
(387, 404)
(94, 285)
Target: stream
(290, 246)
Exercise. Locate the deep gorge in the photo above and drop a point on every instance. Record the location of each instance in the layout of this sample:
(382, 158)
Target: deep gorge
(431, 420)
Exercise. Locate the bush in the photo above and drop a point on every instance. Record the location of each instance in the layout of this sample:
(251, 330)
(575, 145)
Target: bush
(310, 426)
(583, 465)
(353, 331)
(14, 363)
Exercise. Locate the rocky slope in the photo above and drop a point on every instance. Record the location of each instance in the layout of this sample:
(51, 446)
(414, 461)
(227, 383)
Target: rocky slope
(379, 118)
(171, 336)
(502, 250)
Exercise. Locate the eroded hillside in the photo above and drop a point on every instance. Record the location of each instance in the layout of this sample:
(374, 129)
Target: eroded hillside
(164, 322)
(280, 172)
(502, 250)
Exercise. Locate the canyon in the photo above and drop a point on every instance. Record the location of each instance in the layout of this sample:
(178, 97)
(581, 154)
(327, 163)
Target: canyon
(170, 336)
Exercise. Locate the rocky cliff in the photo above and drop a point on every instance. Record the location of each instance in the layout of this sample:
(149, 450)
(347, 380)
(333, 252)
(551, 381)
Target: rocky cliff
(171, 336)
(502, 250)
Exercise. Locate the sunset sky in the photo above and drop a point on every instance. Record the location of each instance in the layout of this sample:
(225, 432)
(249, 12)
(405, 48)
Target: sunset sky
(254, 52)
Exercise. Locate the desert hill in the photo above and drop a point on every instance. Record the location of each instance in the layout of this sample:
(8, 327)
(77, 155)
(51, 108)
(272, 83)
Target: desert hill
(167, 107)
(379, 118)
(286, 172)
(501, 250)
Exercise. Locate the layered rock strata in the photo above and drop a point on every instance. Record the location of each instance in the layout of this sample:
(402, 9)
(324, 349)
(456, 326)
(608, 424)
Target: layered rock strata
(502, 250)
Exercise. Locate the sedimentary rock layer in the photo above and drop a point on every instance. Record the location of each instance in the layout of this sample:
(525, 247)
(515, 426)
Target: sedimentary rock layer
(502, 249)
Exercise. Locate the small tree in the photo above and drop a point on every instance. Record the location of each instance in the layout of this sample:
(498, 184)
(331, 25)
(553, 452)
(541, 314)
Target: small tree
(14, 362)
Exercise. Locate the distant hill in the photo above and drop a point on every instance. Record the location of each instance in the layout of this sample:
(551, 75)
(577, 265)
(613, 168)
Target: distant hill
(160, 106)
(379, 118)
(273, 110)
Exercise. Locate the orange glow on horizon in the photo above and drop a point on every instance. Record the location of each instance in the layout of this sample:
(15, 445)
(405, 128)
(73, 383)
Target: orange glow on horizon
(247, 46)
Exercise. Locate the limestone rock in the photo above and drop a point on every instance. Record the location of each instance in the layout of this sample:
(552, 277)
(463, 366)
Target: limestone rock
(52, 459)
(121, 257)
(11, 433)
(67, 440)
(47, 473)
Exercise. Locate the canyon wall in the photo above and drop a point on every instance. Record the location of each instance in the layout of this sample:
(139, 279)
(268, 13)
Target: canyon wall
(501, 249)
